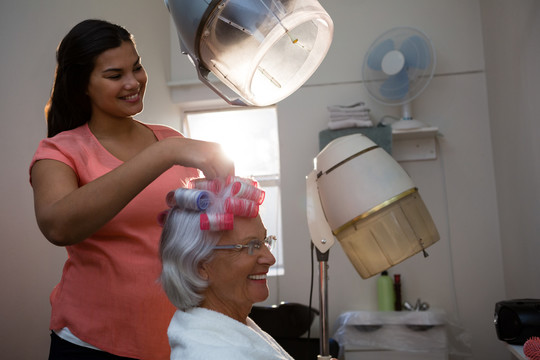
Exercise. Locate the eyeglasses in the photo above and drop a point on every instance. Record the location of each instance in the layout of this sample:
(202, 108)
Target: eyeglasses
(254, 244)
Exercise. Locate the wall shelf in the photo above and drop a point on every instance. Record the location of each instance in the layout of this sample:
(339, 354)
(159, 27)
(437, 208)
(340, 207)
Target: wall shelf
(414, 145)
(403, 145)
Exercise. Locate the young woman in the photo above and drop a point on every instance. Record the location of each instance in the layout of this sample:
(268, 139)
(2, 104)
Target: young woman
(99, 181)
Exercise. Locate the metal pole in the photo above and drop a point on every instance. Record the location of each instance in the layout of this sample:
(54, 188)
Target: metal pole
(323, 304)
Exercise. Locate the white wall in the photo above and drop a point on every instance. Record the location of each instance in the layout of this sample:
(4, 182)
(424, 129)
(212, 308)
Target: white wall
(464, 273)
(512, 53)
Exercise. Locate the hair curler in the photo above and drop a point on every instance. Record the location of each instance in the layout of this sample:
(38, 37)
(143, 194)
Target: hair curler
(190, 199)
(246, 191)
(241, 207)
(162, 217)
(232, 178)
(214, 185)
(216, 222)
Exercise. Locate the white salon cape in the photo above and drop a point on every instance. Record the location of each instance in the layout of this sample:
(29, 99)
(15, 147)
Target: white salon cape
(202, 334)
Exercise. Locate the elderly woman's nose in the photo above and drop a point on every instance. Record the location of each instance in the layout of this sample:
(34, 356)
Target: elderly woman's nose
(266, 256)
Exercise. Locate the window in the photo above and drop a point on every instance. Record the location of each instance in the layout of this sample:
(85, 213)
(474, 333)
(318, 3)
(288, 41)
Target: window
(249, 136)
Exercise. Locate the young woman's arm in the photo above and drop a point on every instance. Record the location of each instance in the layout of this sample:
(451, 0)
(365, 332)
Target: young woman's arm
(68, 214)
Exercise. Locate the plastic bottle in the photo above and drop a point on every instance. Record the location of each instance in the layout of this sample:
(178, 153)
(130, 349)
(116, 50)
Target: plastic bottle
(385, 293)
(397, 292)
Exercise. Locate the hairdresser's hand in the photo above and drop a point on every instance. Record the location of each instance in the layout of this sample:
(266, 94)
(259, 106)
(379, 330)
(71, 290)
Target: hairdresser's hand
(206, 156)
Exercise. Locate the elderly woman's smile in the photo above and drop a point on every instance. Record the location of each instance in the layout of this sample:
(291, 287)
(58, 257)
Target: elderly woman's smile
(258, 277)
(237, 280)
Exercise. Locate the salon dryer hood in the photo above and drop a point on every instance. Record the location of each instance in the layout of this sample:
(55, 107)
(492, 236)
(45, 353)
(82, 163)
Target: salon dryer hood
(263, 50)
(360, 195)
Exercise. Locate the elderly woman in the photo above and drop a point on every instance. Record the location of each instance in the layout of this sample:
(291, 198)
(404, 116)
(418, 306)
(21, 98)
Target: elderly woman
(216, 254)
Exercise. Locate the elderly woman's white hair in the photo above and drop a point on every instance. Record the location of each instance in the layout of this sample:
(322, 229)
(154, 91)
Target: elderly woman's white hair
(184, 246)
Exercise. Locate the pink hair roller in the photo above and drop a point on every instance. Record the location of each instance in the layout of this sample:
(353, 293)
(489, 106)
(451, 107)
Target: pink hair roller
(214, 185)
(162, 217)
(241, 207)
(231, 179)
(243, 190)
(216, 222)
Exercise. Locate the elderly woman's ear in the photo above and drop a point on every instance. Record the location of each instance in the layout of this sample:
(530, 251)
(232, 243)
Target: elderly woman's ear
(202, 270)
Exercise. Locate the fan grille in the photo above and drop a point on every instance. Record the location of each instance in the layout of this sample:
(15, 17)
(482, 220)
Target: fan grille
(418, 69)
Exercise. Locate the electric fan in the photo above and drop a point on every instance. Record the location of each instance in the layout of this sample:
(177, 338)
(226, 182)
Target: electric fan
(397, 68)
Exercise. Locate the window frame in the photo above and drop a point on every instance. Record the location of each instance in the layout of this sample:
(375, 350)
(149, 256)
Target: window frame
(265, 181)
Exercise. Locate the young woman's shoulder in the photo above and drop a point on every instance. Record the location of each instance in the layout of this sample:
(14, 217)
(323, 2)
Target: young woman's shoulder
(163, 131)
(69, 138)
(69, 147)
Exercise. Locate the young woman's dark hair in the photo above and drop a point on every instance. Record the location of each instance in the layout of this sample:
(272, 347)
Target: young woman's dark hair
(69, 106)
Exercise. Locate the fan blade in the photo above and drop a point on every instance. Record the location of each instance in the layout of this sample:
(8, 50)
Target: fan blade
(375, 57)
(416, 52)
(396, 87)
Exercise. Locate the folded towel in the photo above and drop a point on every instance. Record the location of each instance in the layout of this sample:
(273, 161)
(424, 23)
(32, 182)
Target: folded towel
(354, 107)
(351, 112)
(350, 123)
(349, 116)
